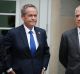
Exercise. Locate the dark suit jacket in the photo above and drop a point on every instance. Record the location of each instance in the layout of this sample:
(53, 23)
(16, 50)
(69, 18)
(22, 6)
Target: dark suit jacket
(20, 58)
(69, 54)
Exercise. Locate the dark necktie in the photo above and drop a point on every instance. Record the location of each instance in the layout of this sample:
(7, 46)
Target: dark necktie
(32, 43)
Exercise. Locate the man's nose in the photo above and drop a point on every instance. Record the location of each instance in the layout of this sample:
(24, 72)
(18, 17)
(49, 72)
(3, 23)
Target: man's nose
(33, 17)
(79, 18)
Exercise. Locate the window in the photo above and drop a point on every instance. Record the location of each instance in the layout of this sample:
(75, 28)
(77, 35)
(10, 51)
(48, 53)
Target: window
(7, 15)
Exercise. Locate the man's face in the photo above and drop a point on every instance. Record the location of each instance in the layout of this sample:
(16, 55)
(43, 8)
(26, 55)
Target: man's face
(30, 18)
(77, 17)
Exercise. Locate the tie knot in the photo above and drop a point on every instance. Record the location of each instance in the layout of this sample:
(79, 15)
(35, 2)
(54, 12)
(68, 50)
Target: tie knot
(30, 32)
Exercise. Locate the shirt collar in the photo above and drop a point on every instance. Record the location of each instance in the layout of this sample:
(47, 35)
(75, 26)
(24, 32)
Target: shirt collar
(78, 30)
(27, 29)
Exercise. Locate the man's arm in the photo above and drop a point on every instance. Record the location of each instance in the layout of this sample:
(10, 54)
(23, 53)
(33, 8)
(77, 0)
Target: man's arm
(46, 53)
(63, 51)
(7, 57)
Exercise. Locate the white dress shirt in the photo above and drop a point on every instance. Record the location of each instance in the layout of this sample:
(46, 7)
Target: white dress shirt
(79, 35)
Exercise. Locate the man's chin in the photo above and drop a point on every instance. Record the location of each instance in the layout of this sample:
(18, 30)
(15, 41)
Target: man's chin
(78, 26)
(33, 24)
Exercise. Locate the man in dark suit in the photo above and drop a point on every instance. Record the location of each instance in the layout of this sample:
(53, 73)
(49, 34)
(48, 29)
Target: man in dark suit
(69, 54)
(20, 59)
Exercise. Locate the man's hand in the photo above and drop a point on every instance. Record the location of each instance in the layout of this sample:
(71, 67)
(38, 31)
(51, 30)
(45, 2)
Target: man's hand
(43, 71)
(11, 72)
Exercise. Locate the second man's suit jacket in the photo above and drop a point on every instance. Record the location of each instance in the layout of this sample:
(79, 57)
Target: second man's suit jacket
(19, 56)
(69, 54)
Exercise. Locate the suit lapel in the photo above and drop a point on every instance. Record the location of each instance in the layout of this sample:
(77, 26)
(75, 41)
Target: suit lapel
(24, 39)
(76, 40)
(38, 34)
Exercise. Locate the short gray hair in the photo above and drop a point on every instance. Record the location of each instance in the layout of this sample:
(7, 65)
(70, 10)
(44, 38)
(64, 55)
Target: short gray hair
(25, 7)
(77, 8)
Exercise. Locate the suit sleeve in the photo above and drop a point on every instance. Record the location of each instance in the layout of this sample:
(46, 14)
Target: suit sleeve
(63, 51)
(46, 52)
(7, 47)
(2, 54)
